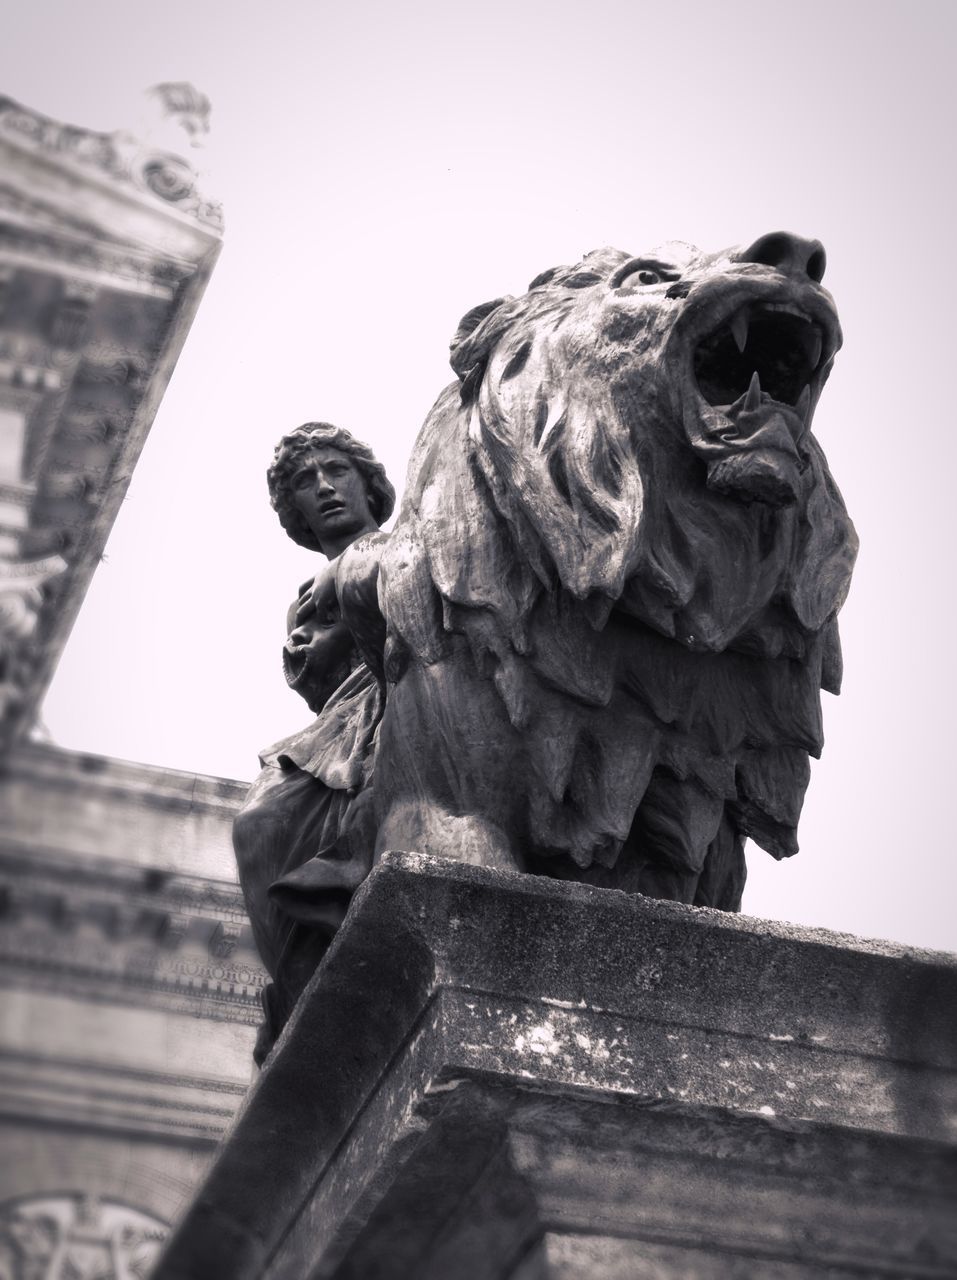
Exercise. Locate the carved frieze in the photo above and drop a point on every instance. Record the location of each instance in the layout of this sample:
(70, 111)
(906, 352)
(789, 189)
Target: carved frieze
(224, 939)
(77, 1237)
(129, 935)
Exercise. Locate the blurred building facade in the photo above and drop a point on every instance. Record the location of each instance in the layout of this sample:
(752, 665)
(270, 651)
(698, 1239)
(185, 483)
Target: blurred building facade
(129, 984)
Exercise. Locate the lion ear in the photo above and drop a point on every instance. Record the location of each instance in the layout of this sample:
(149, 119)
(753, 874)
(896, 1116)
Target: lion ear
(472, 319)
(473, 340)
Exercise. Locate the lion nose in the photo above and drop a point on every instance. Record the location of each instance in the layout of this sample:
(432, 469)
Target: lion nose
(792, 255)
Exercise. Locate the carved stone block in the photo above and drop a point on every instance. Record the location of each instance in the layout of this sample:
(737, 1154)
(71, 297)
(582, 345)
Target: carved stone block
(494, 1075)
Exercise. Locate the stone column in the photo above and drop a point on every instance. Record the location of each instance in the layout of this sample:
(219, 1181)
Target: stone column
(495, 1075)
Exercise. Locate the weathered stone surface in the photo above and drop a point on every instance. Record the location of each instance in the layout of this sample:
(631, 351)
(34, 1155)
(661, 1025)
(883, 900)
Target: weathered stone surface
(496, 1075)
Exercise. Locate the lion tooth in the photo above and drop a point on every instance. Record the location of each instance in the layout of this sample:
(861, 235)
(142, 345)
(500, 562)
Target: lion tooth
(804, 402)
(739, 329)
(752, 400)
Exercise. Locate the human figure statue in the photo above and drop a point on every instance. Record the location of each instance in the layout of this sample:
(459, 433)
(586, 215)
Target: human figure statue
(304, 836)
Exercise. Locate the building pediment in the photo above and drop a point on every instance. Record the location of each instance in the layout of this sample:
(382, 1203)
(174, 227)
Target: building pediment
(106, 245)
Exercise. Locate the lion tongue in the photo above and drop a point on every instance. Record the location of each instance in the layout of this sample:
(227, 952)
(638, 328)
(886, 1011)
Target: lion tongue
(759, 439)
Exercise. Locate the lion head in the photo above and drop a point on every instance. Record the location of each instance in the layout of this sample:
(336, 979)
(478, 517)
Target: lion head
(623, 487)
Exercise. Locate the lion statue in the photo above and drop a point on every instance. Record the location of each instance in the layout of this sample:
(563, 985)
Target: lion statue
(610, 597)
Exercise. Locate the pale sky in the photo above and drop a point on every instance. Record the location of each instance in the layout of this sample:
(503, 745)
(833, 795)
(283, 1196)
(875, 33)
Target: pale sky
(384, 167)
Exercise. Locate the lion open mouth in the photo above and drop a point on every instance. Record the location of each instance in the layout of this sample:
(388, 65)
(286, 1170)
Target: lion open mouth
(757, 372)
(776, 345)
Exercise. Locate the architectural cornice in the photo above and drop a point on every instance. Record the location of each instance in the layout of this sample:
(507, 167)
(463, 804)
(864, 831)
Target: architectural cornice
(52, 766)
(85, 1092)
(117, 884)
(114, 158)
(122, 935)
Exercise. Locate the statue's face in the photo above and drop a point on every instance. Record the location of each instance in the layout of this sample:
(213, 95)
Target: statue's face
(330, 493)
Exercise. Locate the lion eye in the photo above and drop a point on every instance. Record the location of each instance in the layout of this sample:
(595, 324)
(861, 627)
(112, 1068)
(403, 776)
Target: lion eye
(644, 276)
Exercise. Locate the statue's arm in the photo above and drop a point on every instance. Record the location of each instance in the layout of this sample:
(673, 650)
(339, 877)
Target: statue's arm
(357, 588)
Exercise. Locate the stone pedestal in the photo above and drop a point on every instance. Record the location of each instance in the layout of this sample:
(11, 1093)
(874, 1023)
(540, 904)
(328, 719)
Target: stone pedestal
(496, 1075)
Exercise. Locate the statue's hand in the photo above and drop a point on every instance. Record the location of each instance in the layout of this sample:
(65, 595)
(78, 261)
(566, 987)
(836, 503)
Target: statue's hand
(319, 598)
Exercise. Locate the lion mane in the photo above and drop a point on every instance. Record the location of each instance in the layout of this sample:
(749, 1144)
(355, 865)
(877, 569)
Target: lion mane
(611, 592)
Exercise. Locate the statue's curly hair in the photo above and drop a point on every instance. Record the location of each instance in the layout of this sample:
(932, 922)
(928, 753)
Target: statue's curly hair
(290, 450)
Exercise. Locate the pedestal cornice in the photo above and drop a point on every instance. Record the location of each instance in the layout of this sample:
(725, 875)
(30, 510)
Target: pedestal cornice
(491, 1073)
